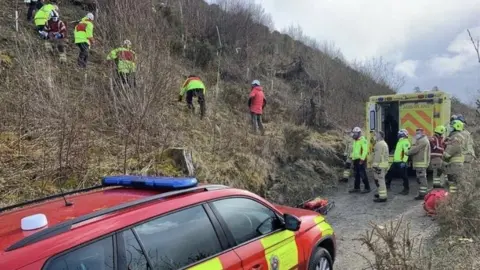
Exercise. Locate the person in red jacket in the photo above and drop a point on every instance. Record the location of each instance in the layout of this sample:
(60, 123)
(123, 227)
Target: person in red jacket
(257, 102)
(437, 146)
(55, 32)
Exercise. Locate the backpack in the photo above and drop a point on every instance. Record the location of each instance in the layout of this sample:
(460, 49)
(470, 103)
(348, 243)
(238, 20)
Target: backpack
(432, 199)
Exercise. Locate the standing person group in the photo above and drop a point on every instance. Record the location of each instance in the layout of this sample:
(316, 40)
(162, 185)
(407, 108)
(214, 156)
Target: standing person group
(449, 152)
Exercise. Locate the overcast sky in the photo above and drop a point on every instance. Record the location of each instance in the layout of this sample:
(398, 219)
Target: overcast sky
(426, 39)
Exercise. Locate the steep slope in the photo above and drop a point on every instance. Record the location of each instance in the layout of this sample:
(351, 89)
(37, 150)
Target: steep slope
(65, 127)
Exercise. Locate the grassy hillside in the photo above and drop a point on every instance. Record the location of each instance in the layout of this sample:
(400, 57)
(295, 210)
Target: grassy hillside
(64, 127)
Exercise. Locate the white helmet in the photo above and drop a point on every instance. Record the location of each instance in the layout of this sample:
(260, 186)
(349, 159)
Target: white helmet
(256, 82)
(127, 43)
(403, 133)
(54, 15)
(356, 130)
(90, 16)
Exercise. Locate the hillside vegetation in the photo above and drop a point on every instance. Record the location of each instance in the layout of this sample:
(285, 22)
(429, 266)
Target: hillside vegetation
(62, 126)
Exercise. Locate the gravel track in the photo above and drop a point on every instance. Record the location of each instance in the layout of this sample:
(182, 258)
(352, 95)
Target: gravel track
(353, 213)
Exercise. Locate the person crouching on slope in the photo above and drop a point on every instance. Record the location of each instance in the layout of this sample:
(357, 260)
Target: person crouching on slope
(55, 32)
(437, 147)
(194, 87)
(380, 166)
(84, 38)
(256, 103)
(400, 159)
(124, 58)
(43, 15)
(420, 154)
(359, 156)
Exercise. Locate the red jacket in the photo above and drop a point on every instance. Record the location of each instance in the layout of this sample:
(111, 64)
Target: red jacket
(256, 100)
(56, 27)
(437, 144)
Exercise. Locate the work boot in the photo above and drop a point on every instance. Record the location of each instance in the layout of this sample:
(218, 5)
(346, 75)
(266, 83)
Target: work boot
(404, 192)
(365, 191)
(437, 186)
(419, 197)
(379, 200)
(354, 190)
(376, 196)
(345, 180)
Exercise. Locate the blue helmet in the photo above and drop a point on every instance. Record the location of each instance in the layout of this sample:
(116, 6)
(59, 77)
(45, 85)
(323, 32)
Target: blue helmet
(461, 118)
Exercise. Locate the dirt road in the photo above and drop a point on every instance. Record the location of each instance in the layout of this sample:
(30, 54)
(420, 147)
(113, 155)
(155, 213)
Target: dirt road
(353, 212)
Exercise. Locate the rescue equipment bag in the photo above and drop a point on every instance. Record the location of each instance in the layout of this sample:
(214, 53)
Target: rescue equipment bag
(432, 199)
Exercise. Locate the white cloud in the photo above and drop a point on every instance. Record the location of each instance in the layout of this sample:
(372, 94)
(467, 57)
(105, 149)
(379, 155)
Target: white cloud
(367, 28)
(460, 55)
(407, 68)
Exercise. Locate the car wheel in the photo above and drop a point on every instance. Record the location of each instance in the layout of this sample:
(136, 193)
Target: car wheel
(321, 260)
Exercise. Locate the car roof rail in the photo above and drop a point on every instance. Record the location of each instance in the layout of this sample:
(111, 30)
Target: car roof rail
(59, 195)
(67, 226)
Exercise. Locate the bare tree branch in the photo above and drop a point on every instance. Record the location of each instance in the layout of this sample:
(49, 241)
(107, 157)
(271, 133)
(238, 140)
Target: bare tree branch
(475, 43)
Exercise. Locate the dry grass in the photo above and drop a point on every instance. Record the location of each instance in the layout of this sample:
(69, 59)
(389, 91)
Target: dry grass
(455, 246)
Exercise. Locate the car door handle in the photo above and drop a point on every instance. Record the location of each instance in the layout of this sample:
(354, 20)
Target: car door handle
(257, 267)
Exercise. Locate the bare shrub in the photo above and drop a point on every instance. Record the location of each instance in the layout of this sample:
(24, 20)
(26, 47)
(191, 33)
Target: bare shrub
(459, 215)
(394, 248)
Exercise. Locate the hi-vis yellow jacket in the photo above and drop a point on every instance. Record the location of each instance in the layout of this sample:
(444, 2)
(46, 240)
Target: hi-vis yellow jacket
(360, 149)
(401, 149)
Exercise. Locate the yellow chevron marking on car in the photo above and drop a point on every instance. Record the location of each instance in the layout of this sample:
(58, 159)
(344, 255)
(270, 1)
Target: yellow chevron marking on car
(281, 250)
(212, 264)
(323, 226)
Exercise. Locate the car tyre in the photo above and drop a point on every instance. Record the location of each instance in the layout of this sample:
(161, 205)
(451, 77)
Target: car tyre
(321, 260)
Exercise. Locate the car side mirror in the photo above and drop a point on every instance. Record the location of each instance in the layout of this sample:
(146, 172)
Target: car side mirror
(292, 223)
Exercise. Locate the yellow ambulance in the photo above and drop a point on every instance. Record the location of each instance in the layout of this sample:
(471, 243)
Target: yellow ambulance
(390, 113)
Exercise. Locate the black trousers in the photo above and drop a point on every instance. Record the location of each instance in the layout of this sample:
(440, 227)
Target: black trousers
(83, 55)
(360, 172)
(32, 6)
(201, 99)
(396, 171)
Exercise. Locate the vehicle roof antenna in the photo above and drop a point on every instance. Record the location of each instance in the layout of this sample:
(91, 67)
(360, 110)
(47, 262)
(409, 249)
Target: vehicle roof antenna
(67, 203)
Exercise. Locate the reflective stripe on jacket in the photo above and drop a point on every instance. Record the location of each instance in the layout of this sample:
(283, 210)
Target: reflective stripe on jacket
(360, 149)
(453, 151)
(83, 32)
(125, 59)
(401, 149)
(420, 153)
(192, 83)
(381, 155)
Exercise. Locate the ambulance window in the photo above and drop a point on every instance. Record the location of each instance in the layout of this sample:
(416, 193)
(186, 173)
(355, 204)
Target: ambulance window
(97, 255)
(372, 120)
(179, 239)
(130, 254)
(246, 219)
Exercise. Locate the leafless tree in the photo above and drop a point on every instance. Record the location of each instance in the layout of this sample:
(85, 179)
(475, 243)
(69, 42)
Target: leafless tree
(381, 71)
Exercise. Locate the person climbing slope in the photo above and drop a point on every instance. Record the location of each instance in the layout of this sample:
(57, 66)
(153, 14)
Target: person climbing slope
(256, 103)
(193, 87)
(124, 58)
(43, 15)
(83, 34)
(55, 32)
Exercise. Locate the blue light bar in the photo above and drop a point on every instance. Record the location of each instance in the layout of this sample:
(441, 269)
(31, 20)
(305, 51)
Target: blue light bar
(380, 99)
(430, 95)
(150, 181)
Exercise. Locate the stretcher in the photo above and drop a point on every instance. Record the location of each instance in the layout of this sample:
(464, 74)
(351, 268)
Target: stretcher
(318, 204)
